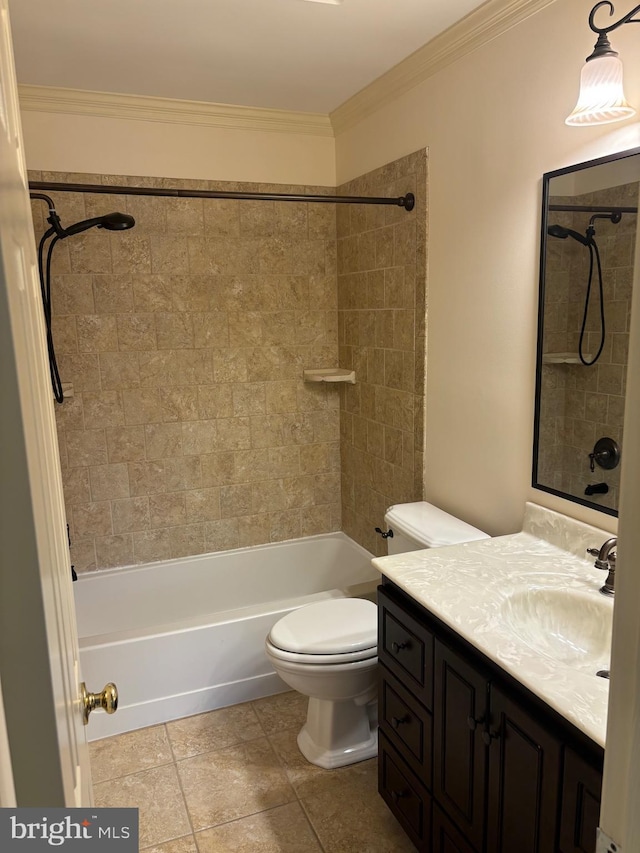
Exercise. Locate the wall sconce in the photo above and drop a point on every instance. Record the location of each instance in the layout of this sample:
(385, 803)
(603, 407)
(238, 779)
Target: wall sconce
(601, 99)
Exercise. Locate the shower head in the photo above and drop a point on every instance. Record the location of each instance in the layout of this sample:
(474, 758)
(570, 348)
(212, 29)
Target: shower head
(110, 221)
(563, 233)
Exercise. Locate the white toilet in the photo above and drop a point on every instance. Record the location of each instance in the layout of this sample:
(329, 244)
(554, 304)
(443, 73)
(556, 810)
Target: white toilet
(328, 651)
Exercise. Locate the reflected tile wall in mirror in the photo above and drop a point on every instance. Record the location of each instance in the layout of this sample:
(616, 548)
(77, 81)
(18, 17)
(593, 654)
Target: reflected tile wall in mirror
(578, 404)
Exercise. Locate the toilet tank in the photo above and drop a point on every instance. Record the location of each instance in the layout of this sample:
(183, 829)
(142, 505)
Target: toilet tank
(421, 525)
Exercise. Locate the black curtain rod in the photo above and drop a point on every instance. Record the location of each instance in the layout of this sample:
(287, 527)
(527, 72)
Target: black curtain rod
(592, 208)
(407, 201)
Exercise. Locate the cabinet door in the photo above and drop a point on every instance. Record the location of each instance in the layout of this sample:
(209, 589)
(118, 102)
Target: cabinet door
(581, 789)
(460, 702)
(524, 773)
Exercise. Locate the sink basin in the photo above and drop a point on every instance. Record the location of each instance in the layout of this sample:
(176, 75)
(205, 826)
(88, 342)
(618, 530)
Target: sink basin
(570, 626)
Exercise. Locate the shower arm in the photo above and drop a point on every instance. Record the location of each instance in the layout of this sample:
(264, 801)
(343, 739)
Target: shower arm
(53, 219)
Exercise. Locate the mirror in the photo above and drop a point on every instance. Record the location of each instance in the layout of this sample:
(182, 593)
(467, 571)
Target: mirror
(589, 216)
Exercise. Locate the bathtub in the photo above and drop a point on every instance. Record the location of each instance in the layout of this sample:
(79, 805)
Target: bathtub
(185, 636)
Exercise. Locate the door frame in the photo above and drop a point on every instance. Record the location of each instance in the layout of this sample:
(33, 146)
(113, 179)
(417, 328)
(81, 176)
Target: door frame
(39, 656)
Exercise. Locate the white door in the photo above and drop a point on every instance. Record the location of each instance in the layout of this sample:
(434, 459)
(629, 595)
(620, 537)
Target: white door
(38, 643)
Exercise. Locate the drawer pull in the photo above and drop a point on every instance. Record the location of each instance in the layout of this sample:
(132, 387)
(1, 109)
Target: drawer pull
(398, 795)
(473, 724)
(398, 721)
(488, 736)
(398, 647)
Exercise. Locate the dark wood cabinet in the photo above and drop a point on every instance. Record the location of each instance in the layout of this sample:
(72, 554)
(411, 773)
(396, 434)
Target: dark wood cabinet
(469, 762)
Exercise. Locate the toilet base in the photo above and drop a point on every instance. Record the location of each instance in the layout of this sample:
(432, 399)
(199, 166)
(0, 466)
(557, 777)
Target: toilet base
(339, 733)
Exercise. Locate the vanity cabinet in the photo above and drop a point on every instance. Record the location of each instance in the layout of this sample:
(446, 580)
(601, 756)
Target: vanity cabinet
(469, 763)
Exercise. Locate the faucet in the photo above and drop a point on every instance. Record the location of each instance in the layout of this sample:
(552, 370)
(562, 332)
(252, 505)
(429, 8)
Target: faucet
(606, 559)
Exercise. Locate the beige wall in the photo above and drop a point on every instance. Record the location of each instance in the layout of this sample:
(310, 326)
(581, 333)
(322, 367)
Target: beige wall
(116, 146)
(381, 324)
(190, 428)
(493, 122)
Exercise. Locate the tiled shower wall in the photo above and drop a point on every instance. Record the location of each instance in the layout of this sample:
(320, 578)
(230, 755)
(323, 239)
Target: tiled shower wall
(381, 322)
(190, 428)
(583, 403)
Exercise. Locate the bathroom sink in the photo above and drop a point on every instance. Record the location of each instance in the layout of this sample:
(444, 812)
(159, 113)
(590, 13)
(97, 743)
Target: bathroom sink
(571, 626)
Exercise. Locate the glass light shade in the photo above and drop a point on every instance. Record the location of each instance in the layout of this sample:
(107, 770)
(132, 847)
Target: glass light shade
(601, 99)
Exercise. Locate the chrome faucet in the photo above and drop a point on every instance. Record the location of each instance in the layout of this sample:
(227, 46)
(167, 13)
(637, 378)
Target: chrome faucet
(606, 560)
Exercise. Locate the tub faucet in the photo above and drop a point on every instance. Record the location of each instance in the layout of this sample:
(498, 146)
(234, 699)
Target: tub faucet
(606, 560)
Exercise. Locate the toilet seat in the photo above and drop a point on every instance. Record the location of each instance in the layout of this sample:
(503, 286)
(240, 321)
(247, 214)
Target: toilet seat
(319, 659)
(341, 630)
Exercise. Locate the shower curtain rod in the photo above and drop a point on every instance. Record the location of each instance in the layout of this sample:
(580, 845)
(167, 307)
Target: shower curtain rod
(592, 208)
(406, 201)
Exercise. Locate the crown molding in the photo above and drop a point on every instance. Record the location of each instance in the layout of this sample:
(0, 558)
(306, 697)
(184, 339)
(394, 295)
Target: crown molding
(476, 29)
(142, 108)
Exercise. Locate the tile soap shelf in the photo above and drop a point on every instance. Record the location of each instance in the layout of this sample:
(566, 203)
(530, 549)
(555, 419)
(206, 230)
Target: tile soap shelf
(329, 374)
(563, 358)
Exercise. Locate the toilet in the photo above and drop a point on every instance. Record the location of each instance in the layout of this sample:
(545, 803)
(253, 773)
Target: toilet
(328, 650)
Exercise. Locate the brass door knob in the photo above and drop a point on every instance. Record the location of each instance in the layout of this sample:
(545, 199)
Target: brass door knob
(107, 700)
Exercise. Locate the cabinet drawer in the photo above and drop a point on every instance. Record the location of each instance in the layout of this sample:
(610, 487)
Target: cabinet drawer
(406, 724)
(446, 837)
(406, 648)
(409, 801)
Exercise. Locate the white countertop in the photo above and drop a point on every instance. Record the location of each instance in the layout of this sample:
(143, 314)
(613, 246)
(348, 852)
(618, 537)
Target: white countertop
(466, 587)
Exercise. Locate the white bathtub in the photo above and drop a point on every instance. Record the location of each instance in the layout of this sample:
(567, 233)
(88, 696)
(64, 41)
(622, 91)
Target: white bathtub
(185, 636)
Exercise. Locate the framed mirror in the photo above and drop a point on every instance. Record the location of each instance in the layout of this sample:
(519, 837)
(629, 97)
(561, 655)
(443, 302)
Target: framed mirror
(589, 220)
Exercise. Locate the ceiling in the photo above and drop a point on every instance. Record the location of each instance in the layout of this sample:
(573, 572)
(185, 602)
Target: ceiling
(277, 54)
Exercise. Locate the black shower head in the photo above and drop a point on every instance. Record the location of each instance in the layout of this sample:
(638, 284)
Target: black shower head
(110, 221)
(563, 233)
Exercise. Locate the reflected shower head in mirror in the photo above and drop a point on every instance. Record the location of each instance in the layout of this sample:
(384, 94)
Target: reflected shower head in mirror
(562, 233)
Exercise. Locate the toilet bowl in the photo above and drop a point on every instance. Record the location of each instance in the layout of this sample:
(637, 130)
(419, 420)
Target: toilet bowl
(328, 650)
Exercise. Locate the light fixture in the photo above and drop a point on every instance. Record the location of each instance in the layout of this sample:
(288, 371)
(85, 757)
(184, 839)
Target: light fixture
(601, 99)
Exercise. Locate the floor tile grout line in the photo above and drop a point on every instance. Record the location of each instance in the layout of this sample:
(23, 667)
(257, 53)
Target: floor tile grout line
(219, 749)
(243, 817)
(295, 791)
(168, 841)
(313, 829)
(179, 777)
(135, 772)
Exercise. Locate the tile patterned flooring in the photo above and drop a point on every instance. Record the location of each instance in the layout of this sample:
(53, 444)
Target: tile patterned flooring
(233, 781)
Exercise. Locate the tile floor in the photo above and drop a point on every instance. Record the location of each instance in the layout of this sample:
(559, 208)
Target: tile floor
(233, 781)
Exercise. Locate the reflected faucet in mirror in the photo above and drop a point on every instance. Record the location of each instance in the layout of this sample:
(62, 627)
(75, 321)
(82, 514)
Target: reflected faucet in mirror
(587, 270)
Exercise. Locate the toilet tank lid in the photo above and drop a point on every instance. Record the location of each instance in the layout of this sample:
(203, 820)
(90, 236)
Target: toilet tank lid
(430, 526)
(328, 627)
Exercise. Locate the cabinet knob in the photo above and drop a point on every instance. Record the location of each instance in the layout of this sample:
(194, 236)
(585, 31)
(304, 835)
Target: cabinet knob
(488, 736)
(473, 724)
(398, 721)
(398, 647)
(398, 795)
